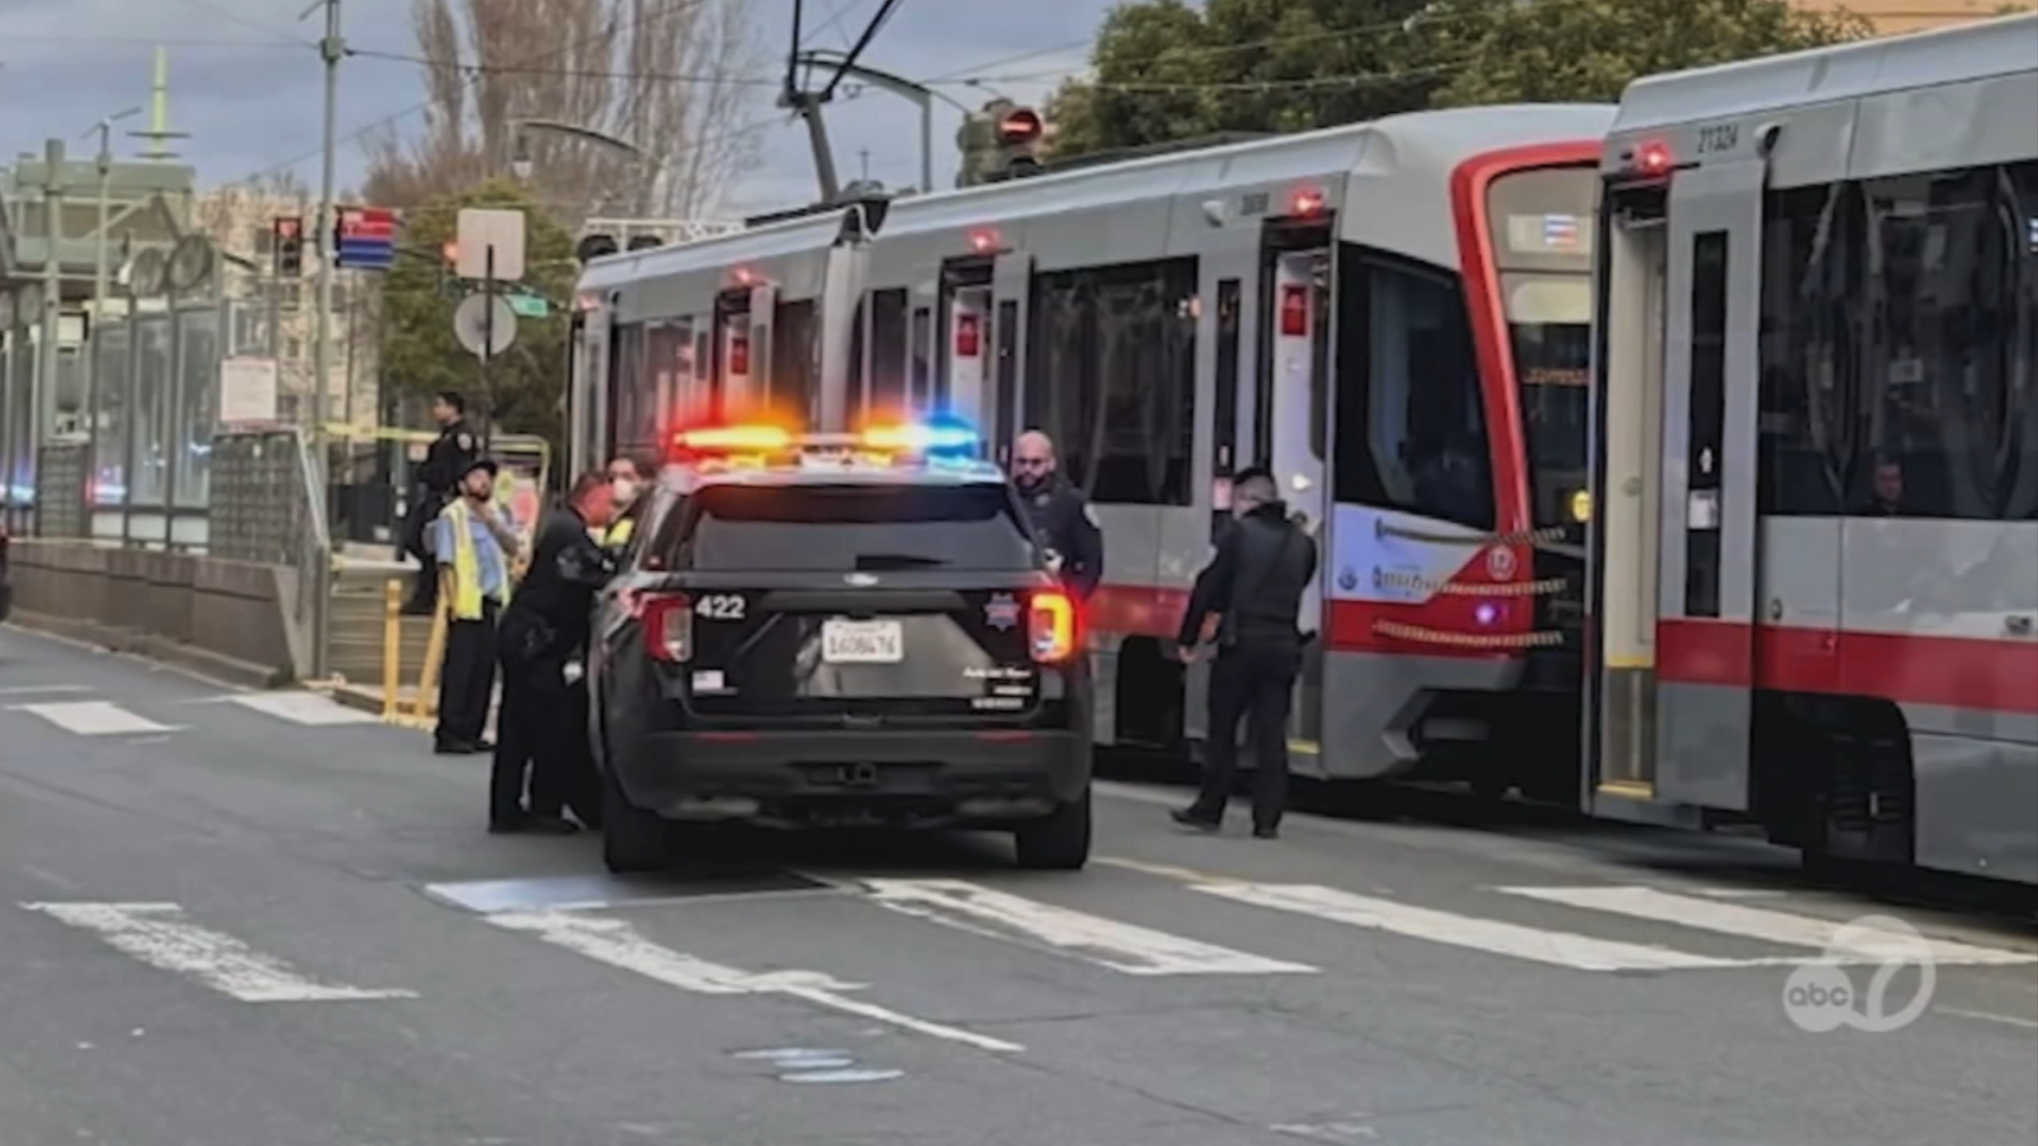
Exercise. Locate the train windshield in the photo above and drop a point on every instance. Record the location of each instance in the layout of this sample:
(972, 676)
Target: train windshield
(1542, 222)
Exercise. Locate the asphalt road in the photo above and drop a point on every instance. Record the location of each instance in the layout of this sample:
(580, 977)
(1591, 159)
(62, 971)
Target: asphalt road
(224, 924)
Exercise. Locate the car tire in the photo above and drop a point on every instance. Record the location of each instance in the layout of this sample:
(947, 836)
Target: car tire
(633, 840)
(1059, 841)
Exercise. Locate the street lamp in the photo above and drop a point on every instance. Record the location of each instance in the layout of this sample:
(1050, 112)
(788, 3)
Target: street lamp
(99, 275)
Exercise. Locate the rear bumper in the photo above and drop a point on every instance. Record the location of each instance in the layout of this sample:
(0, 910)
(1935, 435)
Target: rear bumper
(964, 776)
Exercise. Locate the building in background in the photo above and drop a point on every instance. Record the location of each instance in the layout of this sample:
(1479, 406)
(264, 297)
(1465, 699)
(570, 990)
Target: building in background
(242, 221)
(1895, 17)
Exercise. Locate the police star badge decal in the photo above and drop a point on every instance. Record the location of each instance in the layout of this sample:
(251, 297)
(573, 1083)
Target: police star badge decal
(1002, 612)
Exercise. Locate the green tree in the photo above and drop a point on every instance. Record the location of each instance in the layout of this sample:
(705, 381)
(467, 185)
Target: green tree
(420, 354)
(1162, 70)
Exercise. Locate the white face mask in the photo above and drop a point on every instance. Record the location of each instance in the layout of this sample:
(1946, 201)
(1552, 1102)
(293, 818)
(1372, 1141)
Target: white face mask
(625, 491)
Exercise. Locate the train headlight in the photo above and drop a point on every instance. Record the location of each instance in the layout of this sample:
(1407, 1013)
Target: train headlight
(1581, 506)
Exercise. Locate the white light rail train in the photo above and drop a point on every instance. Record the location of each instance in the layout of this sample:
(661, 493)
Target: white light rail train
(1678, 461)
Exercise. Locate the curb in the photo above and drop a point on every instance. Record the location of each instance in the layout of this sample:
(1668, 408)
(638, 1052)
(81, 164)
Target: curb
(163, 650)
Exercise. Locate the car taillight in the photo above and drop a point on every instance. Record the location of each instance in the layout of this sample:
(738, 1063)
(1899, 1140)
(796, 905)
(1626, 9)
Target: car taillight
(668, 626)
(1051, 626)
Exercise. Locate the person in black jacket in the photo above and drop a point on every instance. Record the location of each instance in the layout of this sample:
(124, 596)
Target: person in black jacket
(545, 626)
(446, 461)
(1263, 563)
(1061, 516)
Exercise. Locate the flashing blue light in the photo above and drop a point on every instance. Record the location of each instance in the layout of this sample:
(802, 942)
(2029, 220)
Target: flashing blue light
(934, 436)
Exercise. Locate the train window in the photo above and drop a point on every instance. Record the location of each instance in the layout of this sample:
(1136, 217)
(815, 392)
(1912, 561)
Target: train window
(791, 386)
(1112, 372)
(858, 328)
(923, 396)
(888, 351)
(1411, 422)
(1549, 329)
(1948, 407)
(1705, 414)
(633, 390)
(667, 348)
(1225, 417)
(1811, 270)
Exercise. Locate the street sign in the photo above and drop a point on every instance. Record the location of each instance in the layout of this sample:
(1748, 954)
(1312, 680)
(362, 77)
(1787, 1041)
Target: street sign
(529, 305)
(491, 244)
(367, 238)
(473, 327)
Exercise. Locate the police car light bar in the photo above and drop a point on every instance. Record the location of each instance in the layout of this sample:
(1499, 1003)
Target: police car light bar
(734, 439)
(912, 439)
(920, 437)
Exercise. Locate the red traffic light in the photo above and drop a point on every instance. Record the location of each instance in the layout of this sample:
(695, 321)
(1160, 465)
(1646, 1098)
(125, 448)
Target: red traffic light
(289, 227)
(1021, 125)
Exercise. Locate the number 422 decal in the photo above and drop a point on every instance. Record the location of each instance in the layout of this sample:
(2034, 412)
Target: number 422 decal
(721, 607)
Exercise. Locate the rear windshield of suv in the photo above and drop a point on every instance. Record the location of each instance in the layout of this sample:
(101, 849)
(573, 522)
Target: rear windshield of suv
(847, 528)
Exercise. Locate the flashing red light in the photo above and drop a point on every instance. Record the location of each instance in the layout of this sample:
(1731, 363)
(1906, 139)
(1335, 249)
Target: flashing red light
(1306, 203)
(733, 440)
(1022, 125)
(1051, 626)
(983, 242)
(667, 620)
(968, 335)
(1294, 310)
(743, 276)
(1653, 159)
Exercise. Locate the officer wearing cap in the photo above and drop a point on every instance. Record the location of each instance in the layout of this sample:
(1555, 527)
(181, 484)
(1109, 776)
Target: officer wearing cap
(1061, 516)
(445, 462)
(474, 543)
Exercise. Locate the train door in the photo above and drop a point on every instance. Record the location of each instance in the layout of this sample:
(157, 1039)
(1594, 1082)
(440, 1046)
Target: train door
(982, 367)
(1624, 526)
(1708, 582)
(743, 318)
(1292, 400)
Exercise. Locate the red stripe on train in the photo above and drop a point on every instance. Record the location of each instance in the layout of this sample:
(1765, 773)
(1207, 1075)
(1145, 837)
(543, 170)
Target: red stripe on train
(1147, 611)
(1951, 672)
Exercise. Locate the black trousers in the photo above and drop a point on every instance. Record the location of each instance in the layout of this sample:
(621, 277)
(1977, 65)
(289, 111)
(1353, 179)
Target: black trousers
(424, 505)
(1254, 683)
(467, 679)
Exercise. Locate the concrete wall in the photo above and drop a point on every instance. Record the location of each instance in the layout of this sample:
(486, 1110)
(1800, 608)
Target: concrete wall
(232, 620)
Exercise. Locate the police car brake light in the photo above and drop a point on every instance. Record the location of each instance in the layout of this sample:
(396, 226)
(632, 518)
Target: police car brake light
(1051, 626)
(667, 619)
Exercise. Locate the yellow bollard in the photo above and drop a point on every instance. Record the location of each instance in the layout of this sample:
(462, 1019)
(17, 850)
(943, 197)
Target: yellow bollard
(427, 703)
(392, 646)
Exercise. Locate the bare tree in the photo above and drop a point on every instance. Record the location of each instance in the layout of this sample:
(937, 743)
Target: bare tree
(667, 76)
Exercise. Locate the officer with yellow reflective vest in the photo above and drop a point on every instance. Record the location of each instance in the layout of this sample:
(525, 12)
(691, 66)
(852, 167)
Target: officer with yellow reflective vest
(475, 543)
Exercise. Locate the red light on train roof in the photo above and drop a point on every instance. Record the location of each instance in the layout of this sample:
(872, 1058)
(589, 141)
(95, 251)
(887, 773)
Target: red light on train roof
(983, 242)
(743, 276)
(1653, 159)
(1306, 202)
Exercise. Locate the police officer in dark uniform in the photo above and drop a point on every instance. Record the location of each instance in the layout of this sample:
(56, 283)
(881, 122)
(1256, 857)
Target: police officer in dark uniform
(544, 627)
(1256, 579)
(432, 484)
(1061, 516)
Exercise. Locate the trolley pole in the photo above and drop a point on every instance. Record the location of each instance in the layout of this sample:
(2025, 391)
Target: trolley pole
(319, 572)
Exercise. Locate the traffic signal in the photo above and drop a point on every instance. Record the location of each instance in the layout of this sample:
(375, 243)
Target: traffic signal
(1003, 141)
(289, 246)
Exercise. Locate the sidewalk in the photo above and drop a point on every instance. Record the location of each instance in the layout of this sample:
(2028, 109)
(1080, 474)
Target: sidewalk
(368, 698)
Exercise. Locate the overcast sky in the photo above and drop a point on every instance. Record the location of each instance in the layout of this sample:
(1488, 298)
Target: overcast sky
(246, 83)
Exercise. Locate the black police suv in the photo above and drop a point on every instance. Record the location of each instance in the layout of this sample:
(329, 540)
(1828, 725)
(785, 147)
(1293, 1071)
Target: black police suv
(840, 645)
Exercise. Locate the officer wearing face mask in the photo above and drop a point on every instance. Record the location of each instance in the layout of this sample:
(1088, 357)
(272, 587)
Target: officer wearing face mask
(1061, 515)
(629, 477)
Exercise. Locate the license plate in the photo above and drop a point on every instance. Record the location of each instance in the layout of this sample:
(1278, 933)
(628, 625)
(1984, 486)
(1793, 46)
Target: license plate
(862, 642)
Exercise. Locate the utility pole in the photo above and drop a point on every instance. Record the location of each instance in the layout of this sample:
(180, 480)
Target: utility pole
(331, 48)
(96, 324)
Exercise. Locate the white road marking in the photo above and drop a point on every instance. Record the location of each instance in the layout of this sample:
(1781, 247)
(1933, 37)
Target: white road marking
(307, 708)
(1122, 947)
(618, 944)
(94, 718)
(155, 934)
(1764, 924)
(1579, 952)
(43, 689)
(1986, 1017)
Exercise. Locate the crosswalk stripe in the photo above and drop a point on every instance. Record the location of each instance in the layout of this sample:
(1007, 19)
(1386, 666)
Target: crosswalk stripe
(1579, 952)
(156, 934)
(1122, 947)
(308, 708)
(1780, 927)
(94, 718)
(616, 943)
